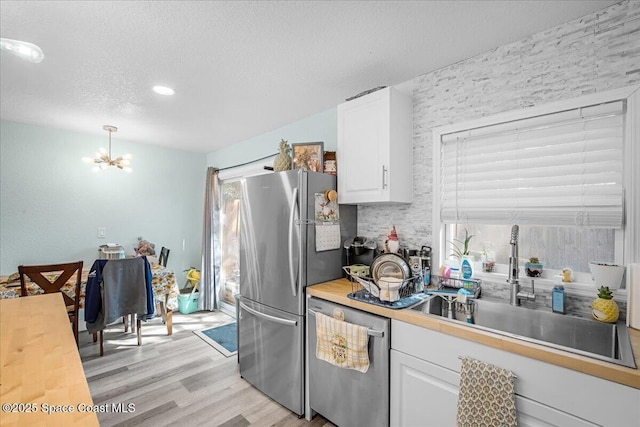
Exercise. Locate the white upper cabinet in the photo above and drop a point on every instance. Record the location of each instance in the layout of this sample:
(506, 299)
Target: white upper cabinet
(375, 144)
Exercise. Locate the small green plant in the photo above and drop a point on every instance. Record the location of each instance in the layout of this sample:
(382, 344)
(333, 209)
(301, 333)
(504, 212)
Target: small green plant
(534, 260)
(487, 249)
(605, 293)
(463, 250)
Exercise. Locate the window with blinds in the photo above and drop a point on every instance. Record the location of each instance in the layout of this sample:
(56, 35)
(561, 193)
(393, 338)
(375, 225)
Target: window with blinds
(561, 169)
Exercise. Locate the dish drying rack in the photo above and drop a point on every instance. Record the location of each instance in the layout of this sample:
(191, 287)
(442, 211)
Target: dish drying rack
(364, 289)
(453, 284)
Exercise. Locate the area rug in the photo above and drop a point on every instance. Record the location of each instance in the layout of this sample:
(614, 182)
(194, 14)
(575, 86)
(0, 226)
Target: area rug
(223, 338)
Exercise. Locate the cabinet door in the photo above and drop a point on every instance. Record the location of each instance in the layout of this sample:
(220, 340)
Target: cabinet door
(545, 394)
(363, 157)
(535, 414)
(422, 394)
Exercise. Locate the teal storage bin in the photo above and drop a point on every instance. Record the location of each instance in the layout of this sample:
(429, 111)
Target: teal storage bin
(188, 302)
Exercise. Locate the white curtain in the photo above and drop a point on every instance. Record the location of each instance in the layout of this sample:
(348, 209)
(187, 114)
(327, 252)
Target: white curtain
(210, 276)
(561, 169)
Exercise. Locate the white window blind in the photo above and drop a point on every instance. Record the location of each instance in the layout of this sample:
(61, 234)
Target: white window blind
(557, 169)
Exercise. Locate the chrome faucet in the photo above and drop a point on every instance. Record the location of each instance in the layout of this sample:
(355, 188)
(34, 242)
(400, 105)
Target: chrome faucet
(514, 282)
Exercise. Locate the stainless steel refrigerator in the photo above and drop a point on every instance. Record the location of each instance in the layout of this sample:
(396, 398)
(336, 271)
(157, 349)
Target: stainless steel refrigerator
(278, 259)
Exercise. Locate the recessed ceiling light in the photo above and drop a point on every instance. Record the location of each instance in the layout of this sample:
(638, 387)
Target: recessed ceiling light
(25, 50)
(163, 90)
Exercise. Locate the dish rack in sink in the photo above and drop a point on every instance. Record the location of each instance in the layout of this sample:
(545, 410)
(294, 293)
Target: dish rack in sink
(452, 285)
(364, 289)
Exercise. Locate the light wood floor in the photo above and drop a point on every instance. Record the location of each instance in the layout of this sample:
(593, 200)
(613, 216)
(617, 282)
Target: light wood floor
(176, 380)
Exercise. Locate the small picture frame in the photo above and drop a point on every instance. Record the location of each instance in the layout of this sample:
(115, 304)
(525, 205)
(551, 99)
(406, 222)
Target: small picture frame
(308, 156)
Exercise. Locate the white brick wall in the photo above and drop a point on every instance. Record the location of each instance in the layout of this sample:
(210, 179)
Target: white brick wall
(598, 52)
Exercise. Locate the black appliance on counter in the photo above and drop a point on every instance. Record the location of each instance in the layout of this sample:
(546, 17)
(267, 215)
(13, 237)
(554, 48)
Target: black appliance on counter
(360, 250)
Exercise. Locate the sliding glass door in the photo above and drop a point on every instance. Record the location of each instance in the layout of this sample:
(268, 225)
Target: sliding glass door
(230, 205)
(230, 244)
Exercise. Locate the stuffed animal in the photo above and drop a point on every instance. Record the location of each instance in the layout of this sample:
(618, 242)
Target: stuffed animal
(145, 248)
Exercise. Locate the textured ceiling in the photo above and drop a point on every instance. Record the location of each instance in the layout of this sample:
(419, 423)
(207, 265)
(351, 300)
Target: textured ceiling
(240, 69)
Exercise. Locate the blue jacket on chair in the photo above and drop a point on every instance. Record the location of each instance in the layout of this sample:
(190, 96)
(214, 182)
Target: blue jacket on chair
(93, 295)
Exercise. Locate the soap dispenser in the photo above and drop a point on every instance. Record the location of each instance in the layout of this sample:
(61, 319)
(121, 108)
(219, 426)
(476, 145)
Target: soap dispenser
(559, 298)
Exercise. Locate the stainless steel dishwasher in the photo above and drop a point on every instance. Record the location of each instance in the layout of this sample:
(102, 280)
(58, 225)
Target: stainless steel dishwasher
(344, 396)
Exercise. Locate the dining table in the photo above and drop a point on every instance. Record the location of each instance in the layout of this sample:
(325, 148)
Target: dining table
(42, 381)
(164, 284)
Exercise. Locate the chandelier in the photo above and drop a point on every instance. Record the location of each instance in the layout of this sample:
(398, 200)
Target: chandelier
(103, 159)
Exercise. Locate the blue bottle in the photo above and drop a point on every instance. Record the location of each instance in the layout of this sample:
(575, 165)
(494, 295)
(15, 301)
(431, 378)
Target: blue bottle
(559, 299)
(466, 267)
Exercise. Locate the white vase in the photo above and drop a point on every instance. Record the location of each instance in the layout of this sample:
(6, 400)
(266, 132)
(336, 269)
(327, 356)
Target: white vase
(607, 274)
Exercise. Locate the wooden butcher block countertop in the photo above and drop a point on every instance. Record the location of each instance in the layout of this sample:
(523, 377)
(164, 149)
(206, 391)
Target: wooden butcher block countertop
(337, 291)
(42, 381)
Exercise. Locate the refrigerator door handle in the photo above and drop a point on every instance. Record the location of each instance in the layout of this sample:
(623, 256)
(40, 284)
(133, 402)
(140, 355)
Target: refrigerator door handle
(268, 316)
(292, 225)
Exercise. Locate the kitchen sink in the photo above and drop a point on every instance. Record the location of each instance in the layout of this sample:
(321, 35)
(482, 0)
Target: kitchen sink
(604, 341)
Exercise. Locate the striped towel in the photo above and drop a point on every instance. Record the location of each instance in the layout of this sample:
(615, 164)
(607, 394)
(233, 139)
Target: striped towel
(341, 343)
(487, 395)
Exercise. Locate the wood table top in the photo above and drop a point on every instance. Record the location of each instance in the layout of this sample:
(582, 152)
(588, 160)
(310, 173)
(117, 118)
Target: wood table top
(40, 367)
(337, 291)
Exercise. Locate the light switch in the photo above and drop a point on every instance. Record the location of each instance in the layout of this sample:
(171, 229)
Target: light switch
(102, 232)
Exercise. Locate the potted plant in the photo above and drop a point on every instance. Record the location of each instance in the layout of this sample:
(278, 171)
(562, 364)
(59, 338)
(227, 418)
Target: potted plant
(488, 260)
(607, 274)
(533, 268)
(461, 251)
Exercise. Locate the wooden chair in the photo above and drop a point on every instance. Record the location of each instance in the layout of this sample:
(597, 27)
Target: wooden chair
(167, 316)
(122, 295)
(164, 256)
(39, 275)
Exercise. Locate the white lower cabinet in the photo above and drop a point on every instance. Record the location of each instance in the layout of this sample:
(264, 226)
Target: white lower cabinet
(425, 381)
(416, 385)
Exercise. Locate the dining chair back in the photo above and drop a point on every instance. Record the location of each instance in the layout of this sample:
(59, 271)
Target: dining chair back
(53, 278)
(118, 288)
(164, 256)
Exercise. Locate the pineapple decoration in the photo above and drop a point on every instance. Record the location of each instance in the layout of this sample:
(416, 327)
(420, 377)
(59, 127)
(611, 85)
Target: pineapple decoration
(282, 162)
(604, 308)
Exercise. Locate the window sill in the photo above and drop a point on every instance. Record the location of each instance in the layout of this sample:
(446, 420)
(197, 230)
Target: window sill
(545, 283)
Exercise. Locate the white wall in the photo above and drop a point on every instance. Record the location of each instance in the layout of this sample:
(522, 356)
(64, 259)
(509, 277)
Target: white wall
(598, 52)
(595, 53)
(51, 203)
(319, 127)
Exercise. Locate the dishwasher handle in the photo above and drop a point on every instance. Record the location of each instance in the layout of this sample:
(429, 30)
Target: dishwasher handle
(370, 332)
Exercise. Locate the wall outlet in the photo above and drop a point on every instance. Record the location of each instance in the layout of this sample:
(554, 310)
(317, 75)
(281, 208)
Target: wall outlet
(102, 232)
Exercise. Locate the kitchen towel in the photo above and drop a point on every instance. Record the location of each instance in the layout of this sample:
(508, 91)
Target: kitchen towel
(633, 289)
(341, 343)
(487, 395)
